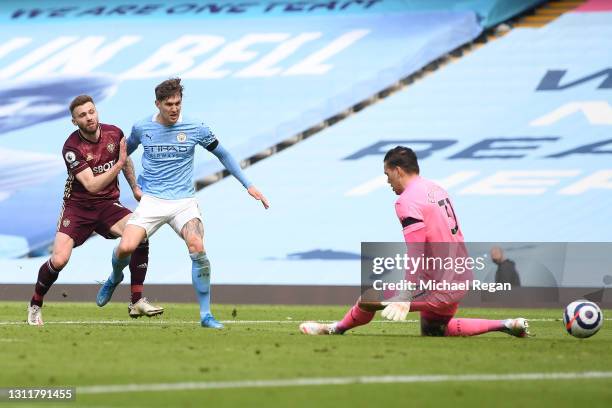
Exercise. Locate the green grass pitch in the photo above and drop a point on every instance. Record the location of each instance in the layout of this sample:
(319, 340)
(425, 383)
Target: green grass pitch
(82, 345)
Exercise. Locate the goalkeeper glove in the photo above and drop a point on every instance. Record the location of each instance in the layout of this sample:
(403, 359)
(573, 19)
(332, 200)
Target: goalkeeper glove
(396, 311)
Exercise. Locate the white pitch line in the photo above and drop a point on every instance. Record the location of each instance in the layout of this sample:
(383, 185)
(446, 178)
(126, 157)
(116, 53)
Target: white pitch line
(177, 322)
(158, 321)
(307, 382)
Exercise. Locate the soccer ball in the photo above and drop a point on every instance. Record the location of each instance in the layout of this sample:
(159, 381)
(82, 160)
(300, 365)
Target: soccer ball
(582, 318)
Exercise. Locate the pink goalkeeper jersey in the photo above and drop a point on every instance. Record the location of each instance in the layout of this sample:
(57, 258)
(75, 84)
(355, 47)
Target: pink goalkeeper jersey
(427, 216)
(424, 204)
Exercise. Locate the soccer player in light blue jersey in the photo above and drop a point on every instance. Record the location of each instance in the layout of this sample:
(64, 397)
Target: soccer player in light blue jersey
(169, 141)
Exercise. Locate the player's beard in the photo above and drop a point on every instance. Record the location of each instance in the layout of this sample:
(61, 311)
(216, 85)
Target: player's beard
(86, 132)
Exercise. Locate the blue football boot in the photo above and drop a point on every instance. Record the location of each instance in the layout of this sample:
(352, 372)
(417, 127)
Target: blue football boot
(209, 321)
(106, 291)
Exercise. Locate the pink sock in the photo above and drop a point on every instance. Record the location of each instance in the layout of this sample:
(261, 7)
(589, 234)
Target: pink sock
(355, 317)
(472, 327)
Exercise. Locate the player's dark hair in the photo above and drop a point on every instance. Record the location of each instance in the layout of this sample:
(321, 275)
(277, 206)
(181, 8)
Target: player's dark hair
(80, 100)
(403, 157)
(168, 88)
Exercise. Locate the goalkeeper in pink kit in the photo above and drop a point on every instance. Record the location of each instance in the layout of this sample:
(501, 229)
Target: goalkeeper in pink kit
(427, 218)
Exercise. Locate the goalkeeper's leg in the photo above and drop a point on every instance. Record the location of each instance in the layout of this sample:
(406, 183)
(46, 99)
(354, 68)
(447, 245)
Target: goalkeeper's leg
(441, 322)
(360, 314)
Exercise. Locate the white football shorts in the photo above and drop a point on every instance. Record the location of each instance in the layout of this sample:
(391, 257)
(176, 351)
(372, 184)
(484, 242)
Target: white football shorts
(153, 212)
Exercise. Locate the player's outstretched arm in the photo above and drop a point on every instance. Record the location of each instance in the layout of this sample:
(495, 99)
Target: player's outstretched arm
(95, 184)
(235, 170)
(130, 175)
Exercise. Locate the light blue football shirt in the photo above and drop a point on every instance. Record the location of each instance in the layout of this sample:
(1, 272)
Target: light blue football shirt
(167, 161)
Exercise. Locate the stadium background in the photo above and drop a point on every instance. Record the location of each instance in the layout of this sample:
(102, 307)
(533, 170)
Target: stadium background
(510, 110)
(508, 103)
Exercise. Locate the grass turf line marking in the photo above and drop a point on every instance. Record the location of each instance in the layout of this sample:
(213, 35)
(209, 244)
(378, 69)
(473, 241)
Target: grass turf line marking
(306, 382)
(155, 321)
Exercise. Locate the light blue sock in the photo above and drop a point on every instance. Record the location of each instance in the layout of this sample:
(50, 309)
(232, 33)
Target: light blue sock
(200, 277)
(118, 267)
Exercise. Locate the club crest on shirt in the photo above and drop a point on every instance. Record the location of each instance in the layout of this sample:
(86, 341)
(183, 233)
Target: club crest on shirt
(70, 157)
(66, 222)
(181, 137)
(110, 147)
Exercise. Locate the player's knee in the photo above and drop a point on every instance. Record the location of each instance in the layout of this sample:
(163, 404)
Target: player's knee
(59, 260)
(432, 329)
(195, 246)
(125, 248)
(195, 243)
